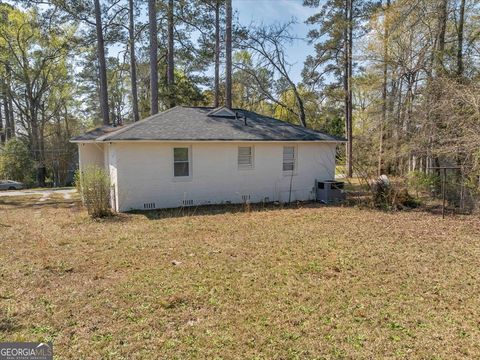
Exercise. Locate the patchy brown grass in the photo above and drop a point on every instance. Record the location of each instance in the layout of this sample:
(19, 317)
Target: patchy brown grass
(310, 282)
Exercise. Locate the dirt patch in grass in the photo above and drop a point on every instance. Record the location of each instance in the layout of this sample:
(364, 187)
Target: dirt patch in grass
(308, 282)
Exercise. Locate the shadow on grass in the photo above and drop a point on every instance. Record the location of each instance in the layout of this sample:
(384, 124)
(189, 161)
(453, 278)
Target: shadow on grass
(8, 324)
(436, 209)
(112, 218)
(208, 210)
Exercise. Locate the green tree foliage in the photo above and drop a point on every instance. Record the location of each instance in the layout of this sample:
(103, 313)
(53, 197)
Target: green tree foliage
(326, 66)
(15, 161)
(36, 54)
(413, 74)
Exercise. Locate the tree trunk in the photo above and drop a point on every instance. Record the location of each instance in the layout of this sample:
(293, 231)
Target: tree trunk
(152, 18)
(383, 122)
(7, 130)
(345, 77)
(8, 105)
(10, 114)
(350, 96)
(133, 62)
(102, 64)
(42, 170)
(461, 22)
(347, 84)
(170, 61)
(442, 28)
(301, 107)
(303, 118)
(2, 132)
(6, 113)
(35, 144)
(228, 55)
(217, 54)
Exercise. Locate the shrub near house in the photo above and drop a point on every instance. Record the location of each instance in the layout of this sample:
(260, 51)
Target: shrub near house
(93, 183)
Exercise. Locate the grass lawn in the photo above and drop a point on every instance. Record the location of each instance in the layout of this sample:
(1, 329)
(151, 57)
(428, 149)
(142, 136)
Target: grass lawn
(313, 282)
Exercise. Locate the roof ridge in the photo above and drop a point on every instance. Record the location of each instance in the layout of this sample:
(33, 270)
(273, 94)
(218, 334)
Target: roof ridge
(128, 127)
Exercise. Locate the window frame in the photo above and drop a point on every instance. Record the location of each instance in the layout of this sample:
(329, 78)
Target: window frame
(250, 166)
(188, 161)
(295, 159)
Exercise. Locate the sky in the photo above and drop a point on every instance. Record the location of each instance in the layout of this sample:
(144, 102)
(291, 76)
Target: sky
(280, 11)
(268, 12)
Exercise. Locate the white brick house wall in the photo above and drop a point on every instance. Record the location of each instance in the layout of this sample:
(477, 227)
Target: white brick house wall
(142, 172)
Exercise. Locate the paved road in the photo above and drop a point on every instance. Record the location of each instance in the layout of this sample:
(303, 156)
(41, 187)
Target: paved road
(67, 193)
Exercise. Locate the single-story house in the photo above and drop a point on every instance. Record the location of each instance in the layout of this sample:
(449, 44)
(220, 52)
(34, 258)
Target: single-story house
(189, 156)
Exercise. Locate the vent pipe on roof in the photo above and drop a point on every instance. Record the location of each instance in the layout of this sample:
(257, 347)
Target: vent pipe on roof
(244, 118)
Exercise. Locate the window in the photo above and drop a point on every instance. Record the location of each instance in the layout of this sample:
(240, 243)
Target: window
(245, 157)
(181, 162)
(288, 158)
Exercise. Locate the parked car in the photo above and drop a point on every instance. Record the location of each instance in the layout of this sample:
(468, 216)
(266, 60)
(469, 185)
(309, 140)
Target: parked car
(11, 185)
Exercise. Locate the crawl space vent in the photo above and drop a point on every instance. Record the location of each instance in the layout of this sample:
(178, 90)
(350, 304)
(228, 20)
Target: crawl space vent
(149, 206)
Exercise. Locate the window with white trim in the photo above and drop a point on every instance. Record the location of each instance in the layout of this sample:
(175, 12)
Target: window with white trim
(181, 162)
(289, 158)
(245, 157)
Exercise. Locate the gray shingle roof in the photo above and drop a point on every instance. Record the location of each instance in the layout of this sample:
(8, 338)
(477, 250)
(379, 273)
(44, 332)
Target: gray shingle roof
(96, 133)
(194, 123)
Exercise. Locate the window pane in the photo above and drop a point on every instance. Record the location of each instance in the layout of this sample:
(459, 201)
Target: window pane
(181, 169)
(180, 154)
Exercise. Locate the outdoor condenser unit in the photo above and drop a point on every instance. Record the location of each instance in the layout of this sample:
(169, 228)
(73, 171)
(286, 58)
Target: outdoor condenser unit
(329, 191)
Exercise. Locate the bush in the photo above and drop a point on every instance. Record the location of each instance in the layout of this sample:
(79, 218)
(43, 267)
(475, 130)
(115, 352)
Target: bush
(93, 184)
(422, 182)
(388, 196)
(15, 162)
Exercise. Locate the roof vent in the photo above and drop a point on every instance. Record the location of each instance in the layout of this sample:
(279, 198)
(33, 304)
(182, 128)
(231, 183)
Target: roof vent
(244, 118)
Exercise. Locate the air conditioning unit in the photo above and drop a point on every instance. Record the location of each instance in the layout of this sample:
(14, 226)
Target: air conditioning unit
(329, 191)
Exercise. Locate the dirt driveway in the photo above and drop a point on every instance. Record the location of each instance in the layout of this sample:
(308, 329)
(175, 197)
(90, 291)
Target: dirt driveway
(67, 193)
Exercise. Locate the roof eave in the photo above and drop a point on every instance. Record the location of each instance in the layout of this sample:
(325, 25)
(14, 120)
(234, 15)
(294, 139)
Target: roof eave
(75, 141)
(217, 140)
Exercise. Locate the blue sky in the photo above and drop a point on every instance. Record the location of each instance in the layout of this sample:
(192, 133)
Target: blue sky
(268, 12)
(280, 11)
